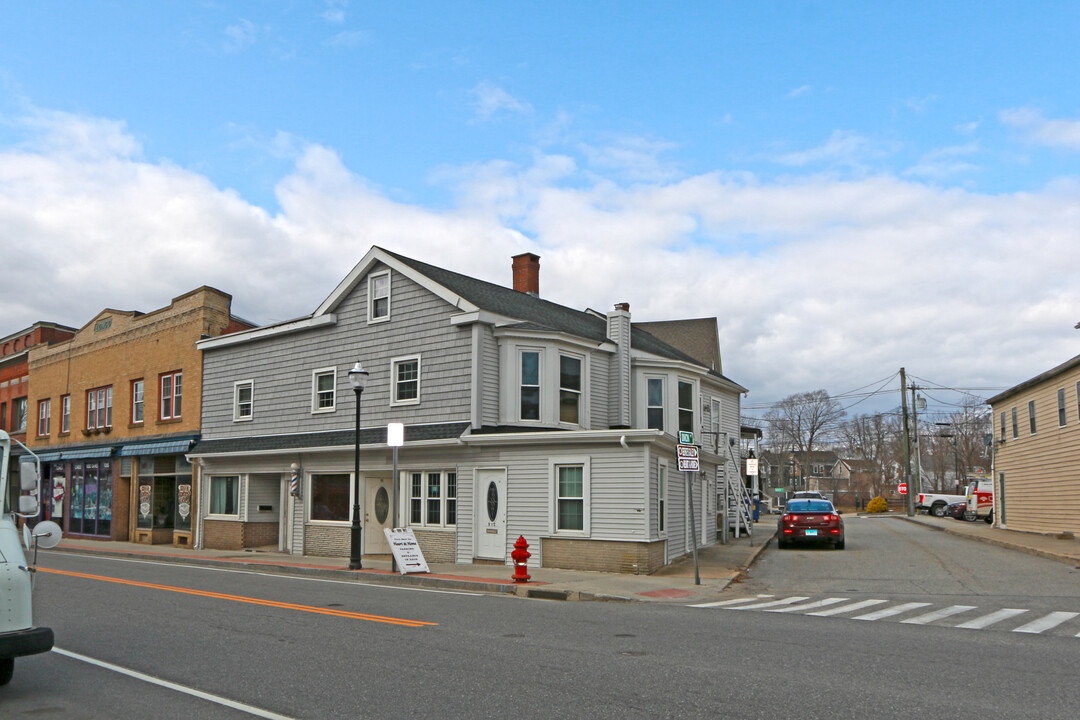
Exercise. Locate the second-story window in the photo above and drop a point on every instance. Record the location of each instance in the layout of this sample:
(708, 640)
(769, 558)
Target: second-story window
(530, 385)
(1061, 407)
(65, 414)
(569, 389)
(406, 374)
(1002, 426)
(686, 406)
(654, 404)
(1016, 432)
(324, 390)
(379, 297)
(137, 406)
(44, 417)
(172, 386)
(1031, 415)
(99, 408)
(243, 400)
(18, 415)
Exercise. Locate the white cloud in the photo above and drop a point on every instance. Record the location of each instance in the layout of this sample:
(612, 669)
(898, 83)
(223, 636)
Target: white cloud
(844, 148)
(633, 158)
(816, 282)
(1042, 131)
(490, 100)
(800, 91)
(240, 35)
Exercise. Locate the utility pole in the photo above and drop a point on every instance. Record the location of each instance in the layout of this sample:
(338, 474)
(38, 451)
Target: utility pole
(907, 449)
(915, 487)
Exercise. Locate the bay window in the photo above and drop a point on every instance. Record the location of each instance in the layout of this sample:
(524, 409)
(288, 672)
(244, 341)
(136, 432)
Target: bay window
(530, 385)
(686, 406)
(654, 403)
(569, 389)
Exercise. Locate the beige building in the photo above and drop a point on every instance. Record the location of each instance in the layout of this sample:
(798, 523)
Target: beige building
(112, 412)
(1037, 452)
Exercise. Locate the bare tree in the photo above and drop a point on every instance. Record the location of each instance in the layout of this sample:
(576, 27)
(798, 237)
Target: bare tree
(802, 421)
(873, 438)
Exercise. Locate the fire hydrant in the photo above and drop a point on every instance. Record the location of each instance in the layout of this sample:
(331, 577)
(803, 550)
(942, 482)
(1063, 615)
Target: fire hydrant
(521, 556)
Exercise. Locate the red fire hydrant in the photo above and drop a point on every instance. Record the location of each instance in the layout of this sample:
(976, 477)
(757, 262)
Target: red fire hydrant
(521, 556)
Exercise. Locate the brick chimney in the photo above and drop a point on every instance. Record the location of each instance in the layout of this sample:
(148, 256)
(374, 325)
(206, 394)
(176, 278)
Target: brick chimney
(527, 273)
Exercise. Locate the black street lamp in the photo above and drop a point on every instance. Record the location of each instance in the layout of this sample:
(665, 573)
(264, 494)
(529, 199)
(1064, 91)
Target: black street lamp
(358, 379)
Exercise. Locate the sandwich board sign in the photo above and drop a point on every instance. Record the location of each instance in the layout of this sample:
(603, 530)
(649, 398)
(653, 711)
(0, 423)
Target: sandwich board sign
(406, 550)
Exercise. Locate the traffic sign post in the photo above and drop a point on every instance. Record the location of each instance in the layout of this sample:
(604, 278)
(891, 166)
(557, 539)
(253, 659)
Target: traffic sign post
(902, 488)
(689, 459)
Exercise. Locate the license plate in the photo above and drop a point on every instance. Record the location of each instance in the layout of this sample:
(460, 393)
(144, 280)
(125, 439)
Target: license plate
(811, 533)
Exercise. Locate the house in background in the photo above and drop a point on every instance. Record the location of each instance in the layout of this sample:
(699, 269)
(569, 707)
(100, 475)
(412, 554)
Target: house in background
(522, 417)
(114, 408)
(1037, 452)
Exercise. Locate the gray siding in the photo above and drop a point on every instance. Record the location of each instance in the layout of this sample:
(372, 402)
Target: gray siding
(489, 377)
(600, 399)
(281, 369)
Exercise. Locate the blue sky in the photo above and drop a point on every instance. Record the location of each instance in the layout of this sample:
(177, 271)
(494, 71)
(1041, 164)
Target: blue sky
(848, 186)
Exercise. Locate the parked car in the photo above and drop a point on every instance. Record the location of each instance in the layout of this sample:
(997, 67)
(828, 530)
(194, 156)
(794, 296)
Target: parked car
(810, 521)
(807, 495)
(955, 510)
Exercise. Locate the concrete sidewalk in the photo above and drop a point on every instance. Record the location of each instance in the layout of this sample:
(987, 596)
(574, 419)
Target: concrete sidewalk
(718, 566)
(1054, 547)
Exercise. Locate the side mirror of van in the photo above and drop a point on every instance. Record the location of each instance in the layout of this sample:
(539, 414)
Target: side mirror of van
(29, 475)
(28, 505)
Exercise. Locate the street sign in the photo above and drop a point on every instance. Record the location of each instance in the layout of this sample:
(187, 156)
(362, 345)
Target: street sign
(751, 466)
(779, 490)
(902, 487)
(688, 457)
(686, 438)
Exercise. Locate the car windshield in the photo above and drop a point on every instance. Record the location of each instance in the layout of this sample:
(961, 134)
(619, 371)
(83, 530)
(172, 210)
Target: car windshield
(810, 506)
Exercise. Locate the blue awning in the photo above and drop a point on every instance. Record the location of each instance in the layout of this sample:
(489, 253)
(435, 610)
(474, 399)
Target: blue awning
(87, 453)
(49, 457)
(168, 447)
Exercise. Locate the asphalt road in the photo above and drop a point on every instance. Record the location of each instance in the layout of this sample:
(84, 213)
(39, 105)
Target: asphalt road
(301, 648)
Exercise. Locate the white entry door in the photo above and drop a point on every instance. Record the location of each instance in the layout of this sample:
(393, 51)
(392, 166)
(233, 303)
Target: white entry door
(491, 514)
(376, 516)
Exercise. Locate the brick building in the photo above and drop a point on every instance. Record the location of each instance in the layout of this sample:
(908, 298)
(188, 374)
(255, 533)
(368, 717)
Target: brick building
(113, 409)
(14, 373)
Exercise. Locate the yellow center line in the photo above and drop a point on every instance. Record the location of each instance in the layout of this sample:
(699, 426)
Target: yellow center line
(241, 598)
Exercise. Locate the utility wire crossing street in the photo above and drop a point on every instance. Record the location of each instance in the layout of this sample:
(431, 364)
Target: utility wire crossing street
(911, 613)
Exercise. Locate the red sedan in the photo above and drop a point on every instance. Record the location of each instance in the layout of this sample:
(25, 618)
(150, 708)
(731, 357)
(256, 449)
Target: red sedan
(811, 521)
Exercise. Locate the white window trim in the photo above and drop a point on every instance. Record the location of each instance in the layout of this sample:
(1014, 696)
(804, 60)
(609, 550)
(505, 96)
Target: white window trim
(443, 473)
(518, 385)
(695, 406)
(140, 402)
(664, 419)
(240, 479)
(44, 417)
(237, 417)
(586, 490)
(315, 409)
(394, 362)
(308, 495)
(65, 414)
(371, 297)
(559, 390)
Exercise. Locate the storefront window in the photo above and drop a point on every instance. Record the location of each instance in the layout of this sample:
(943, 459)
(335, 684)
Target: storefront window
(91, 498)
(330, 497)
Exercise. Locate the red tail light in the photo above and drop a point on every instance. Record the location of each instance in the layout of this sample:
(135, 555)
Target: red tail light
(791, 518)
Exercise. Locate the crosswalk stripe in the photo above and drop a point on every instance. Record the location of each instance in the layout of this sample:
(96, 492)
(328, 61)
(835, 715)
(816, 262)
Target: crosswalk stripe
(808, 606)
(773, 603)
(994, 617)
(890, 611)
(847, 608)
(723, 603)
(1045, 623)
(939, 614)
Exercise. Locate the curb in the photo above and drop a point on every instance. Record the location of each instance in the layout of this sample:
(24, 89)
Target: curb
(1059, 557)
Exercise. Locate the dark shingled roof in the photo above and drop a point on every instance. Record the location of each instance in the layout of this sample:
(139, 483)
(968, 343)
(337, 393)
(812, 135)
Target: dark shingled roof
(332, 438)
(537, 313)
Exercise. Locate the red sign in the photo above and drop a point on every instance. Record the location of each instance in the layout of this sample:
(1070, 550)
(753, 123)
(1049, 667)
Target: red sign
(902, 487)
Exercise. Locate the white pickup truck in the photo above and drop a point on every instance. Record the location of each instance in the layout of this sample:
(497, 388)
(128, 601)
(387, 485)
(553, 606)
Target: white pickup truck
(935, 503)
(18, 635)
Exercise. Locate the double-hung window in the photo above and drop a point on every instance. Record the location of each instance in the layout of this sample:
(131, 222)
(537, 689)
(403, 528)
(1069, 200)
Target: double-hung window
(1061, 407)
(18, 415)
(654, 403)
(406, 374)
(686, 406)
(433, 498)
(65, 414)
(99, 408)
(137, 401)
(224, 495)
(1031, 415)
(243, 400)
(172, 391)
(379, 297)
(324, 390)
(1015, 429)
(661, 493)
(1003, 426)
(530, 385)
(569, 389)
(44, 417)
(570, 498)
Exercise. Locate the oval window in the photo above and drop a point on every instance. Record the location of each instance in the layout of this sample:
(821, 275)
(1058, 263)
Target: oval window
(382, 505)
(493, 501)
